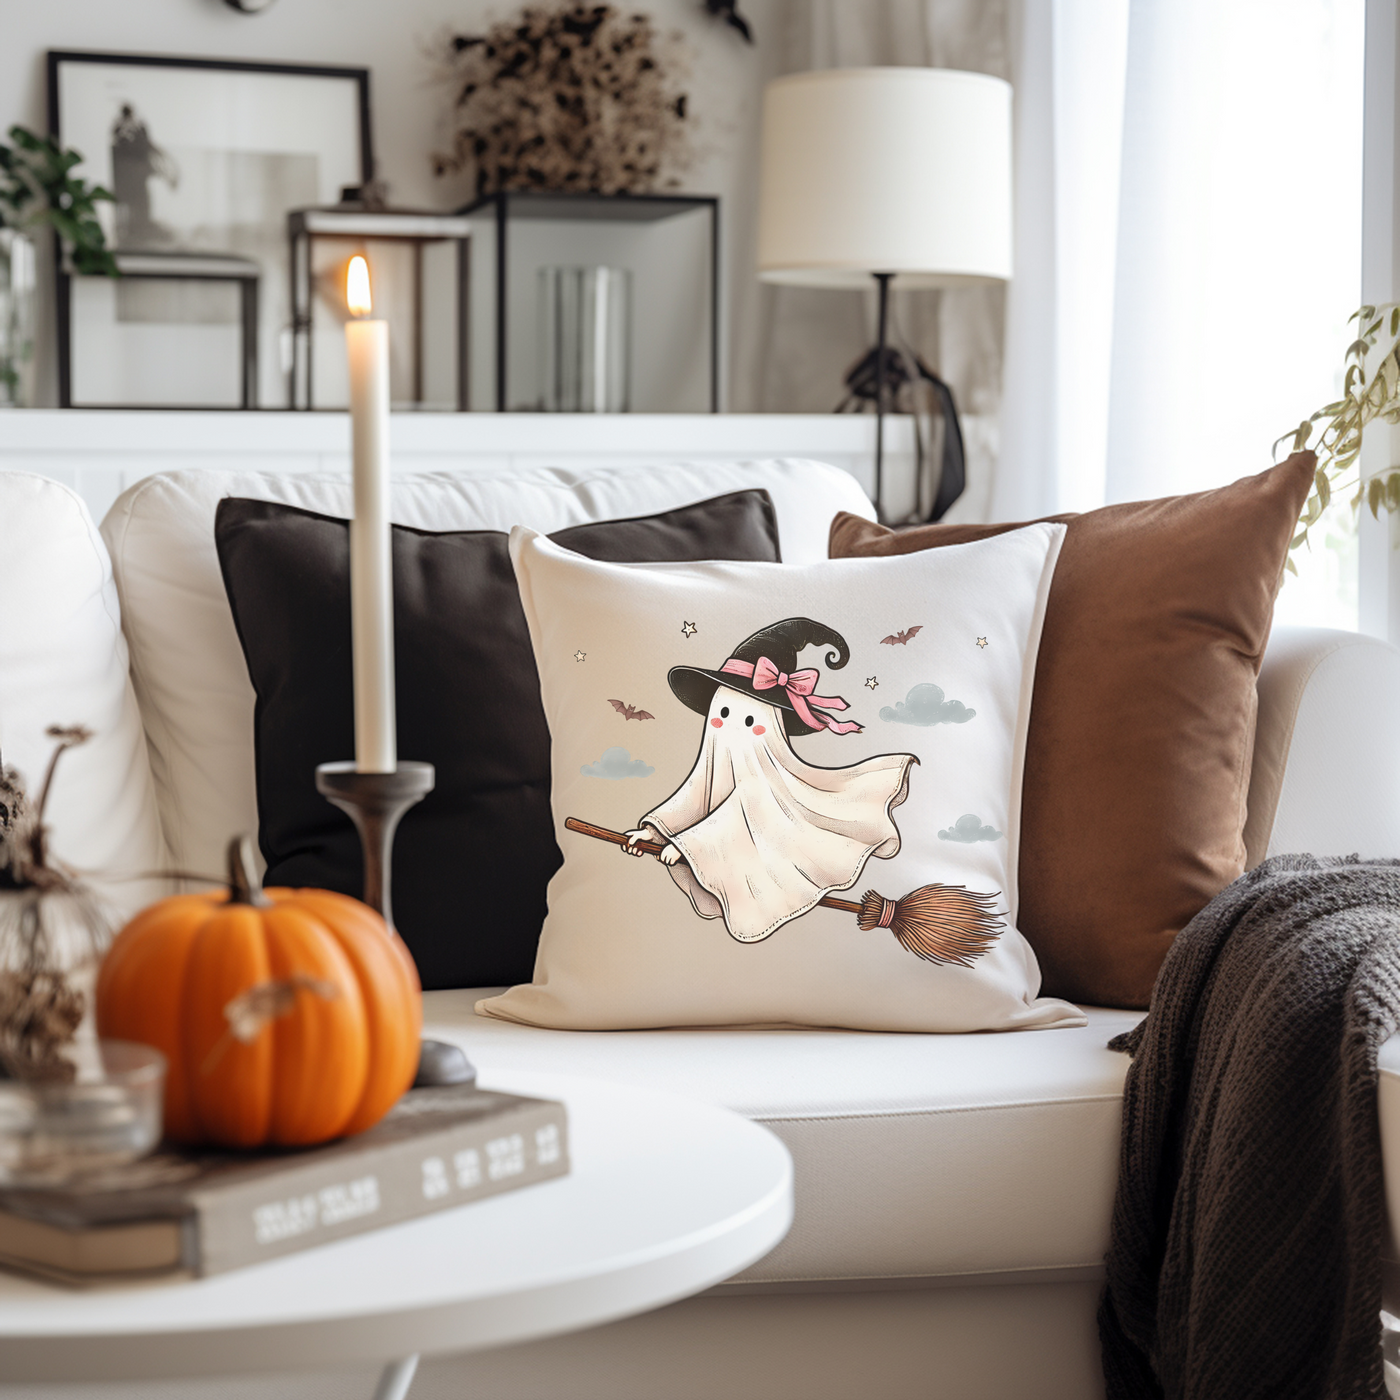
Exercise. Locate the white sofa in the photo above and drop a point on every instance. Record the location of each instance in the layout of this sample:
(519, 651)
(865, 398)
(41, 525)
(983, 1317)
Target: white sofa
(953, 1192)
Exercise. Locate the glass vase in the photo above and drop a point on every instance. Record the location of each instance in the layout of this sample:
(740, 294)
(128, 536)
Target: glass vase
(585, 339)
(18, 293)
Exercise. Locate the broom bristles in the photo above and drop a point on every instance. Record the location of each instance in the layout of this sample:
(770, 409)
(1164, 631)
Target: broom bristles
(939, 923)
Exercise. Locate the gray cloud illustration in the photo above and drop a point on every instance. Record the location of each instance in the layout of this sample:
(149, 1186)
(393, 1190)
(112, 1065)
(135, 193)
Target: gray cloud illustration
(969, 828)
(616, 762)
(925, 705)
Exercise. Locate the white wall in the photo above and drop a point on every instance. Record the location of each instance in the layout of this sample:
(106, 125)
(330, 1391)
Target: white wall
(393, 39)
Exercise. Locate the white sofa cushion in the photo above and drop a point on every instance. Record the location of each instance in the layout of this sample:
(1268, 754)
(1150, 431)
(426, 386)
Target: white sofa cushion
(63, 660)
(917, 1156)
(196, 698)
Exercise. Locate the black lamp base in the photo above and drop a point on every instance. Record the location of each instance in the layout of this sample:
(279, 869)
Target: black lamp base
(376, 802)
(882, 279)
(878, 377)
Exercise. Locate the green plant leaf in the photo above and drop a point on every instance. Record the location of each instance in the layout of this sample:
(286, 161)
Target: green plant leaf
(95, 263)
(37, 186)
(1370, 392)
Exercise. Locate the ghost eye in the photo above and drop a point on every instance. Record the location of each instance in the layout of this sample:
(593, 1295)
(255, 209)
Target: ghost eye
(724, 713)
(749, 721)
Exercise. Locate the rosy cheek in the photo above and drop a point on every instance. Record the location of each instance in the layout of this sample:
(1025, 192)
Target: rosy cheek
(758, 729)
(718, 723)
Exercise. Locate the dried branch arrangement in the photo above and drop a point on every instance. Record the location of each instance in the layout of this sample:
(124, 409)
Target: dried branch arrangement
(1370, 390)
(52, 926)
(581, 98)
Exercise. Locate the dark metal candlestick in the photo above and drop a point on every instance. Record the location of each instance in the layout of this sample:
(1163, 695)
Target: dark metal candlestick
(375, 802)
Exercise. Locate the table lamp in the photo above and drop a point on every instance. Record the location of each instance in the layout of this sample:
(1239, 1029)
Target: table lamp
(887, 173)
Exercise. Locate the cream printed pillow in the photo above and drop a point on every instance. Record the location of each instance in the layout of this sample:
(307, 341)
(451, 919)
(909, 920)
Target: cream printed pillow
(816, 771)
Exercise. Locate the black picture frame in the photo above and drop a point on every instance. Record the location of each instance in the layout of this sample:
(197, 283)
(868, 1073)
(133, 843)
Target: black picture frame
(57, 61)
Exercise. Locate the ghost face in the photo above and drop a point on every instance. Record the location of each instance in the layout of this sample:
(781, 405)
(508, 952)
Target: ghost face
(743, 739)
(741, 717)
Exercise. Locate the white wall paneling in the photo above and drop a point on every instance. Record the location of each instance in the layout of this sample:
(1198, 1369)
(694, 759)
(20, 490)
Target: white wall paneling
(100, 454)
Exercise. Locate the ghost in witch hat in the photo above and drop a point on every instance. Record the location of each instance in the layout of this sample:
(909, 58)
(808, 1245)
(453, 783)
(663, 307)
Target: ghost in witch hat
(755, 835)
(764, 666)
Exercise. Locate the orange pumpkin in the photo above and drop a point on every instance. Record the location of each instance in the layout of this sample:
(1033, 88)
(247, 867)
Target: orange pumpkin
(287, 1017)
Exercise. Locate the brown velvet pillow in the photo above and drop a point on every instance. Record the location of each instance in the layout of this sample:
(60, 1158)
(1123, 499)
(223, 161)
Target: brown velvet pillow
(1142, 726)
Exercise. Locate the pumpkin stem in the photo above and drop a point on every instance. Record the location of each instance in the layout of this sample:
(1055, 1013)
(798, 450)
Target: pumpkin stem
(243, 885)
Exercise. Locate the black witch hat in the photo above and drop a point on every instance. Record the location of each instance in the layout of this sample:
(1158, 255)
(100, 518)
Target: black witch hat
(777, 645)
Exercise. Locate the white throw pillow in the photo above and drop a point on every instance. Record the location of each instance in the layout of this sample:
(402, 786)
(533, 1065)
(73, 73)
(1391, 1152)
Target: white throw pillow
(191, 679)
(788, 734)
(63, 660)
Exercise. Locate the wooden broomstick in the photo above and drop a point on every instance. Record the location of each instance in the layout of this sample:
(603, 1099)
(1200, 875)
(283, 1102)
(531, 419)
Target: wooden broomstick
(939, 923)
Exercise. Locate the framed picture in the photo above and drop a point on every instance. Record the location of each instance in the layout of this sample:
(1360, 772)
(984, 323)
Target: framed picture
(205, 158)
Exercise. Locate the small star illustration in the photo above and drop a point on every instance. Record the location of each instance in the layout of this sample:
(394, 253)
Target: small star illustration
(982, 642)
(871, 682)
(579, 655)
(688, 629)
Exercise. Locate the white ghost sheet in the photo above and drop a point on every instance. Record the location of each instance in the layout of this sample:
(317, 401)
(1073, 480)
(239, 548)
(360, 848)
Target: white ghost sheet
(764, 835)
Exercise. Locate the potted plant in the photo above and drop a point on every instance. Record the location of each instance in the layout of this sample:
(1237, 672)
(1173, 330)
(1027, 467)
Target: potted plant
(1370, 391)
(38, 187)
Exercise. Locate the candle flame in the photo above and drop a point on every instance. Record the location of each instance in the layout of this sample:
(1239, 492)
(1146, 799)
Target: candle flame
(357, 287)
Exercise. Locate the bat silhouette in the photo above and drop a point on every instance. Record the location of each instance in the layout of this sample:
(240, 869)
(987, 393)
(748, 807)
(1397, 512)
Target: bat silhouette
(630, 711)
(900, 639)
(728, 11)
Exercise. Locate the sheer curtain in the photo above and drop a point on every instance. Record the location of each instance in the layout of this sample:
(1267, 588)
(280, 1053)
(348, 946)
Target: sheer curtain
(1188, 250)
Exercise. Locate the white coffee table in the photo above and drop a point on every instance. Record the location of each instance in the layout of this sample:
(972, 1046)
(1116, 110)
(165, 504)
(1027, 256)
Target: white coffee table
(666, 1197)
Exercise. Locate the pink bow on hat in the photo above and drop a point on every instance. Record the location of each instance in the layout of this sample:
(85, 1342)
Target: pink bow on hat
(799, 687)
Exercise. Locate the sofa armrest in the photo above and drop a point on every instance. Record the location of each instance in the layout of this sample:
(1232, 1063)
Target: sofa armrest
(1388, 1103)
(1326, 774)
(1326, 780)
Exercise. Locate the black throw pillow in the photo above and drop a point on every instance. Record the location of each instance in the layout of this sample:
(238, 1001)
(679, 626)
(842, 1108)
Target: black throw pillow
(472, 860)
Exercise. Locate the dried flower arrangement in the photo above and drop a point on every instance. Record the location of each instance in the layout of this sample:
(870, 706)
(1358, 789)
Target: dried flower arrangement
(581, 98)
(52, 927)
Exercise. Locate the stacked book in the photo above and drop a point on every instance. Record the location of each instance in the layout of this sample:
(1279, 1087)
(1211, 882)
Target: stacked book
(201, 1213)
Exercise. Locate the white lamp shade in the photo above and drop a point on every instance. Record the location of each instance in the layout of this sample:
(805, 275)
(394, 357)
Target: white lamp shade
(901, 170)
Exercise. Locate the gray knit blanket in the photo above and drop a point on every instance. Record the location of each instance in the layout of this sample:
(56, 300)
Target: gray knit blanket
(1244, 1259)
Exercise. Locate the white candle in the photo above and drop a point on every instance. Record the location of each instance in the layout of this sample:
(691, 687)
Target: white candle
(371, 569)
